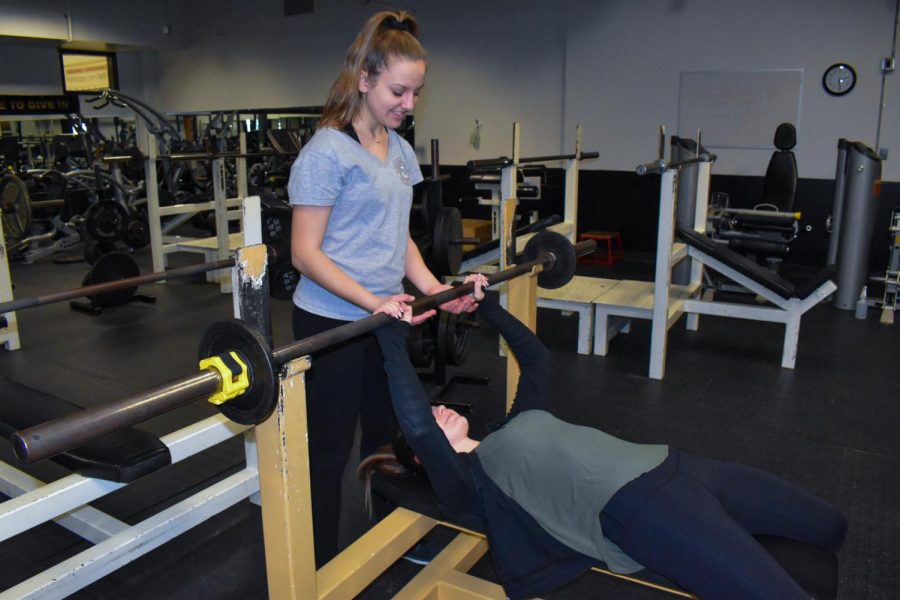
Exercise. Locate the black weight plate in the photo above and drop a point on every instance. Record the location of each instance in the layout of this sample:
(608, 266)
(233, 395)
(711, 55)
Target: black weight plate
(276, 225)
(560, 268)
(283, 280)
(279, 253)
(456, 338)
(105, 220)
(420, 344)
(258, 401)
(113, 266)
(452, 338)
(440, 337)
(137, 233)
(463, 332)
(446, 246)
(94, 249)
(134, 168)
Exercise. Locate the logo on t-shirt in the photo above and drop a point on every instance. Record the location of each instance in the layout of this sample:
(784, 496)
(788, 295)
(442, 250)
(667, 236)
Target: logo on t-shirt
(400, 169)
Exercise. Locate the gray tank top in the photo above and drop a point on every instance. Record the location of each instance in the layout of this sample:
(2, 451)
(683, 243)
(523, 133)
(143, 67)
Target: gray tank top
(564, 474)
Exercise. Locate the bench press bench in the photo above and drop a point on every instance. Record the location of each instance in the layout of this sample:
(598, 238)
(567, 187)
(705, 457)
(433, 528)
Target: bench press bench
(122, 457)
(101, 467)
(578, 296)
(793, 293)
(813, 567)
(632, 300)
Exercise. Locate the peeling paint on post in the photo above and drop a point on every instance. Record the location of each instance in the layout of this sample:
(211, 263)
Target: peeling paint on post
(253, 288)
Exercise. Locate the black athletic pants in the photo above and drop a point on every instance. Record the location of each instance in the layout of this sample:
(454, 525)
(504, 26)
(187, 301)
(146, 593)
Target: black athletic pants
(346, 383)
(692, 520)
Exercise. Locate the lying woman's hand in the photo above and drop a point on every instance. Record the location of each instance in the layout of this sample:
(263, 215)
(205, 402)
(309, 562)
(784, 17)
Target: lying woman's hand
(397, 309)
(396, 304)
(457, 305)
(480, 282)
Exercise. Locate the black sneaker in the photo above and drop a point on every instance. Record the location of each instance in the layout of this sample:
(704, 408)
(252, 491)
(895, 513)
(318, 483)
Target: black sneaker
(423, 552)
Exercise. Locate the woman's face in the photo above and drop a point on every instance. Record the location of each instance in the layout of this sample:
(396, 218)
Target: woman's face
(454, 425)
(393, 94)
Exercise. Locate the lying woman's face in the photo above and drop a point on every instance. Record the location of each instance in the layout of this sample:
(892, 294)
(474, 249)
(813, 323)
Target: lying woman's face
(454, 425)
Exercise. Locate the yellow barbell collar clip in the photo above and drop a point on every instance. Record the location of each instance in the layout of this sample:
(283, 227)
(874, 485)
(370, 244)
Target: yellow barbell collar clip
(235, 376)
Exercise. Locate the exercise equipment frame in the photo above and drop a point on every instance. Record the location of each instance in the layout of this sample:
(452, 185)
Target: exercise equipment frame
(282, 472)
(66, 501)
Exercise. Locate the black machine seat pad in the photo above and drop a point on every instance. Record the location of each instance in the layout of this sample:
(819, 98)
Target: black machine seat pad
(122, 456)
(813, 567)
(796, 282)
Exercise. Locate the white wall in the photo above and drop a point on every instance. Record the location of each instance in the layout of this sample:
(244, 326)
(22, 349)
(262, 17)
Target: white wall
(497, 62)
(29, 68)
(612, 66)
(35, 29)
(625, 57)
(493, 61)
(127, 24)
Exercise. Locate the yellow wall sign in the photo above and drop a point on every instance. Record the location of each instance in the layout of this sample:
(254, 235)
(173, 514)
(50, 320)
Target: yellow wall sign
(38, 105)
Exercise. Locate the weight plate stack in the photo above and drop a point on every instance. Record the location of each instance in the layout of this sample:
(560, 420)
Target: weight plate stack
(94, 249)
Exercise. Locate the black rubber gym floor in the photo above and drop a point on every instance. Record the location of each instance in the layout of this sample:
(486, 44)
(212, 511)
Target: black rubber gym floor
(830, 425)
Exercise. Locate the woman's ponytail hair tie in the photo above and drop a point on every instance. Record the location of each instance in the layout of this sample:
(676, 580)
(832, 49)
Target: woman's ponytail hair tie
(404, 23)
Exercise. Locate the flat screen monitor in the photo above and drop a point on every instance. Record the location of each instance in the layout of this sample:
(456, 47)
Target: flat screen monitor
(86, 72)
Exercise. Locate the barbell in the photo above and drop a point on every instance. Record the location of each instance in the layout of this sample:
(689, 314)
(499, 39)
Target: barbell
(115, 282)
(116, 285)
(238, 361)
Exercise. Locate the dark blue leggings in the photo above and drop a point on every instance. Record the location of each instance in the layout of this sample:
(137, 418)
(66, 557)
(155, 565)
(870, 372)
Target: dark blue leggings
(692, 519)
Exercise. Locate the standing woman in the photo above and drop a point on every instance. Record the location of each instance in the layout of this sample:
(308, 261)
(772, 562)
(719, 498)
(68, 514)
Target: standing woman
(351, 191)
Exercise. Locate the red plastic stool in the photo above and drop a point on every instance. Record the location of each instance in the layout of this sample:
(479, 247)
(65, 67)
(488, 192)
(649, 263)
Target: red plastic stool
(609, 247)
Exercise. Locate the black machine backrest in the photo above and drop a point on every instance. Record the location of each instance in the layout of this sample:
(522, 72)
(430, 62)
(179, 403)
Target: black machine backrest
(780, 186)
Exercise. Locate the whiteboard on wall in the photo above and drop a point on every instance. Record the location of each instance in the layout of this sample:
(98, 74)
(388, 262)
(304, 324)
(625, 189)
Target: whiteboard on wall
(738, 109)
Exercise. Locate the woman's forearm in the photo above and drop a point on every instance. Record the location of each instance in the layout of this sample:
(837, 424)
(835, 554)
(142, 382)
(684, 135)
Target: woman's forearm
(417, 271)
(316, 265)
(533, 388)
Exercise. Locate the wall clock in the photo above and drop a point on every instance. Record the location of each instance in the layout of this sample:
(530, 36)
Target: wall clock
(839, 79)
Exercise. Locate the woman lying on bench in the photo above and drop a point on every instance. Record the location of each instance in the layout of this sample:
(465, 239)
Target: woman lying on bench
(554, 498)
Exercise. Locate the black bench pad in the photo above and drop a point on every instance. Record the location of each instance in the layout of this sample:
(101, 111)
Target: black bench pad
(122, 456)
(813, 567)
(795, 281)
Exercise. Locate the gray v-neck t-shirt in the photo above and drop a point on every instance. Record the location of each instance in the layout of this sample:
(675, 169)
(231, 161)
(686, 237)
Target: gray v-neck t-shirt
(368, 227)
(563, 475)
